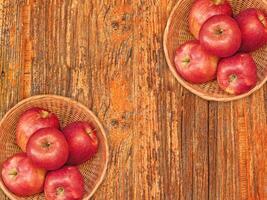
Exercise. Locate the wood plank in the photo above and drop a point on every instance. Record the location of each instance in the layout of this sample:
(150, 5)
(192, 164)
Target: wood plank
(227, 180)
(251, 130)
(201, 150)
(14, 80)
(212, 149)
(10, 63)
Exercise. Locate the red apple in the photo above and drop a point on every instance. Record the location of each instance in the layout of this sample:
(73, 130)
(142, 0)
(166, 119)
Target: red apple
(21, 176)
(64, 184)
(221, 36)
(82, 140)
(31, 121)
(253, 25)
(202, 10)
(237, 74)
(48, 148)
(194, 63)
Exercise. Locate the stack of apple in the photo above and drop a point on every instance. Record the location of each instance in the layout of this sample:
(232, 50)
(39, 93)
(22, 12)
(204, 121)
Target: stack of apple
(222, 46)
(50, 156)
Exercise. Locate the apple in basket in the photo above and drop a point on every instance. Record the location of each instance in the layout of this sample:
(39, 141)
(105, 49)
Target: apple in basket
(48, 148)
(202, 10)
(221, 36)
(66, 183)
(237, 74)
(253, 25)
(82, 140)
(194, 63)
(21, 176)
(31, 121)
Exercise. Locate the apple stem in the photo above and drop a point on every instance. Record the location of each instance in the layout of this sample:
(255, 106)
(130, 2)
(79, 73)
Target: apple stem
(46, 144)
(232, 78)
(217, 2)
(186, 60)
(219, 31)
(91, 135)
(44, 114)
(262, 20)
(13, 172)
(60, 191)
(89, 131)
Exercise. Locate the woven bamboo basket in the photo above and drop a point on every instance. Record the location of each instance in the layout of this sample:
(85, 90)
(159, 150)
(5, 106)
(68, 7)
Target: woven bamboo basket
(68, 111)
(177, 32)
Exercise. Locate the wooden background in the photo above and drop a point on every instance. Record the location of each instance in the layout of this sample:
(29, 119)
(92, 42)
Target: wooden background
(165, 142)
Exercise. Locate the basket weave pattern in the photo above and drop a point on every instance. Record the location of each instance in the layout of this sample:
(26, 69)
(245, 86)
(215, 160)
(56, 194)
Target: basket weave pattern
(68, 111)
(177, 32)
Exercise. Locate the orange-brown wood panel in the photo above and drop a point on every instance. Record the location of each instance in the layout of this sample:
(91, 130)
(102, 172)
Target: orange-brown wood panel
(165, 143)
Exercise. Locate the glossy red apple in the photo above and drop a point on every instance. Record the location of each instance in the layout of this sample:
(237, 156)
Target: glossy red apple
(221, 36)
(31, 121)
(237, 74)
(48, 148)
(194, 63)
(64, 184)
(82, 140)
(202, 10)
(21, 176)
(253, 26)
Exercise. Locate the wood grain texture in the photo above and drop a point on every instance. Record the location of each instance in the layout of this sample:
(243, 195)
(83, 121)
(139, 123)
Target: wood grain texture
(165, 142)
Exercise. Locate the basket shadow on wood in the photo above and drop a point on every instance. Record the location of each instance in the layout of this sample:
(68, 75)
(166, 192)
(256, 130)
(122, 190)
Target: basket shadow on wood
(177, 32)
(68, 111)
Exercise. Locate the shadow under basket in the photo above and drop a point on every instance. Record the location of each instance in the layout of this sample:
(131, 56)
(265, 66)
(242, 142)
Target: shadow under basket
(177, 32)
(68, 111)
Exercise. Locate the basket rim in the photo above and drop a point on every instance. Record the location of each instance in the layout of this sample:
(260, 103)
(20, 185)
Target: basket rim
(96, 120)
(184, 83)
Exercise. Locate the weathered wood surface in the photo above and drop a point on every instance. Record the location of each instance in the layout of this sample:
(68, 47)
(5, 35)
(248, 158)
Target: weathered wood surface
(165, 142)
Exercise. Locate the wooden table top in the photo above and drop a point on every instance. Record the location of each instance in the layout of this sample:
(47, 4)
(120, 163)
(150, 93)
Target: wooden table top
(165, 143)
